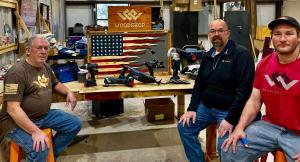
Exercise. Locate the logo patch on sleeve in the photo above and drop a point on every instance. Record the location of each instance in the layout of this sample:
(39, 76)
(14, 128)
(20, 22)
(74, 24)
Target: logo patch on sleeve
(10, 88)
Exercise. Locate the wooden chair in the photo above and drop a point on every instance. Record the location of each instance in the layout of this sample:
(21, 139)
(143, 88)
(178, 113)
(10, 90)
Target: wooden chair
(15, 153)
(211, 153)
(278, 157)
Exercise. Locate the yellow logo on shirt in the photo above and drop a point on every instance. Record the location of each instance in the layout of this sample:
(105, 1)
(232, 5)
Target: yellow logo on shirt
(42, 81)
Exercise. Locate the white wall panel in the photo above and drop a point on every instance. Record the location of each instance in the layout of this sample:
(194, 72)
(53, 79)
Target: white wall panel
(265, 14)
(79, 14)
(291, 8)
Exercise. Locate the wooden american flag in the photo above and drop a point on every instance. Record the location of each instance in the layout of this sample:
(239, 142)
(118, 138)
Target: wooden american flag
(112, 51)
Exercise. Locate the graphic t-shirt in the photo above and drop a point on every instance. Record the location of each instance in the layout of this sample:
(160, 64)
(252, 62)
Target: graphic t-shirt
(30, 86)
(279, 85)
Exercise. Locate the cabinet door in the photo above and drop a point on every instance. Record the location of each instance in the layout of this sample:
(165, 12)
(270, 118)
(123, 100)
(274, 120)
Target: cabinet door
(238, 23)
(185, 28)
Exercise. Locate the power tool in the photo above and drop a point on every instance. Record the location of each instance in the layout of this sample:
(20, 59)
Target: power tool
(92, 69)
(139, 76)
(153, 64)
(127, 81)
(174, 55)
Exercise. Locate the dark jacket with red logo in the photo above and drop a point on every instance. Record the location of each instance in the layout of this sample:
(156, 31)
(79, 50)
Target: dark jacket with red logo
(224, 81)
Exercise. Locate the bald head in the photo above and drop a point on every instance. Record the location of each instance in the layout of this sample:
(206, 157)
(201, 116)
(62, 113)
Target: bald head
(218, 22)
(218, 34)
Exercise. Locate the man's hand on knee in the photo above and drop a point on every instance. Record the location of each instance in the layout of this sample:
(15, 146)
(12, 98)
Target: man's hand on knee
(296, 158)
(224, 128)
(39, 138)
(233, 139)
(185, 118)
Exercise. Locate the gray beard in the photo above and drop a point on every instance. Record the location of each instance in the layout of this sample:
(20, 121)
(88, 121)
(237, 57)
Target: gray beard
(217, 43)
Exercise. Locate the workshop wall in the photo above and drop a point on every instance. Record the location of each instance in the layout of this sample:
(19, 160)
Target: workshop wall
(85, 14)
(58, 19)
(291, 8)
(79, 14)
(265, 14)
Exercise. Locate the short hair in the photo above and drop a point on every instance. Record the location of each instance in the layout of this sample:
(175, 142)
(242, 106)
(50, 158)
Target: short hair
(32, 38)
(221, 20)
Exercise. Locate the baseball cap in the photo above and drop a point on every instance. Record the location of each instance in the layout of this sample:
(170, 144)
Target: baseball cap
(284, 20)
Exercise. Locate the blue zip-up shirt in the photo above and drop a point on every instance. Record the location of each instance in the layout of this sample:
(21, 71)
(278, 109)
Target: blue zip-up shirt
(224, 81)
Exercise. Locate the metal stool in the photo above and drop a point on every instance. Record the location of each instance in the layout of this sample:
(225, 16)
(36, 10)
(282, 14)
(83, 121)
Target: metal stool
(15, 153)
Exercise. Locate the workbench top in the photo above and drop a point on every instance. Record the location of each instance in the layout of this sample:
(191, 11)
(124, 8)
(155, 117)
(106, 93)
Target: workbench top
(80, 88)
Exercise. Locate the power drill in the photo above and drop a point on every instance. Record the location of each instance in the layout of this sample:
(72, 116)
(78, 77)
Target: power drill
(92, 68)
(175, 62)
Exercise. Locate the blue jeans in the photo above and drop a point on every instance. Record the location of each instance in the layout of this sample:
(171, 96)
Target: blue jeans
(65, 125)
(189, 135)
(264, 137)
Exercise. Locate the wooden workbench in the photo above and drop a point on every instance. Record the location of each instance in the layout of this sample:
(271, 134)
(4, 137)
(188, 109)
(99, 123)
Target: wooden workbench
(100, 92)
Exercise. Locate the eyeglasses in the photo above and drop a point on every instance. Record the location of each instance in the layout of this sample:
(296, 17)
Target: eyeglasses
(215, 31)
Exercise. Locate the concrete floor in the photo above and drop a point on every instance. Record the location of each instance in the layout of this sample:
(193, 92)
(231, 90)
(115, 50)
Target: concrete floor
(127, 137)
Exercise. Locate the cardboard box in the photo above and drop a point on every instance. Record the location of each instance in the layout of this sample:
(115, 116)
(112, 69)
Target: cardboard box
(159, 109)
(195, 5)
(181, 1)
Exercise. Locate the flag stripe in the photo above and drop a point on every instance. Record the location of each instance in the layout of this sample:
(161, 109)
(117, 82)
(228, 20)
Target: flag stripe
(140, 38)
(113, 57)
(135, 47)
(142, 41)
(143, 35)
(134, 53)
(138, 44)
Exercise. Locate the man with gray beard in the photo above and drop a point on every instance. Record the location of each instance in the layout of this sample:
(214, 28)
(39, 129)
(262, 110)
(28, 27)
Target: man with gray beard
(222, 87)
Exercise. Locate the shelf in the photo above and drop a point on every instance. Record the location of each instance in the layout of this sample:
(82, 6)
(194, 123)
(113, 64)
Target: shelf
(14, 5)
(8, 48)
(8, 3)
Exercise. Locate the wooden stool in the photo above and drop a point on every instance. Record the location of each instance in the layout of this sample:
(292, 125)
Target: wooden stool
(15, 153)
(211, 153)
(278, 157)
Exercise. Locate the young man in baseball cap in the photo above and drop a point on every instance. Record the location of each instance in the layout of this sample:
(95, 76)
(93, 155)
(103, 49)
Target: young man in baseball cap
(277, 85)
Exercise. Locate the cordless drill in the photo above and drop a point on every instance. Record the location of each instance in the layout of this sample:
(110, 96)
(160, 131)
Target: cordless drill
(175, 62)
(92, 68)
